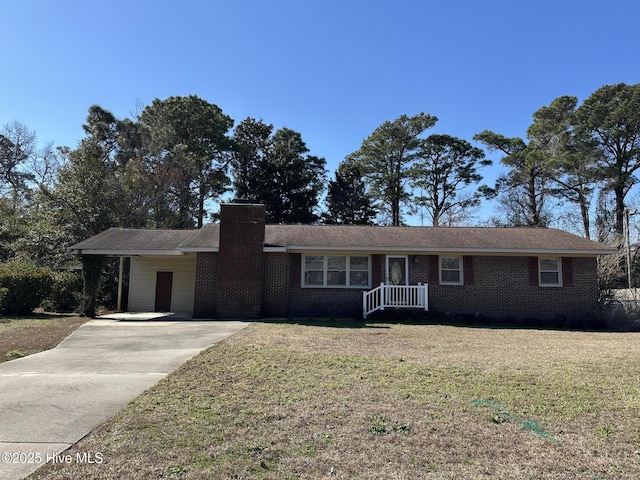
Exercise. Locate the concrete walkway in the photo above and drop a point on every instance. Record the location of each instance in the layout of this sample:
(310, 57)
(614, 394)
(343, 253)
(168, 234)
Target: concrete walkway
(50, 400)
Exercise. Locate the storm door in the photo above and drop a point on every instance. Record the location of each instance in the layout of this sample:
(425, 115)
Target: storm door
(397, 273)
(397, 276)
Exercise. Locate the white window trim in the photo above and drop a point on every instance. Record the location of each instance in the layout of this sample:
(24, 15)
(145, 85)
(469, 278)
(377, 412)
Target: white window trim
(460, 269)
(550, 285)
(325, 270)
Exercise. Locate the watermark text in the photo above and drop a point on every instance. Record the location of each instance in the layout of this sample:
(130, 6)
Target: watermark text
(37, 458)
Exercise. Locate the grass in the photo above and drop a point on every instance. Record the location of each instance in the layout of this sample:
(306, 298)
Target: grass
(22, 336)
(284, 401)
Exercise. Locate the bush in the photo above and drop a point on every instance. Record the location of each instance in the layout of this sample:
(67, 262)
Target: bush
(14, 354)
(66, 292)
(27, 286)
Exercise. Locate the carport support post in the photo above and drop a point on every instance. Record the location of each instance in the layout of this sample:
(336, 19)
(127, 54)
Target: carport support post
(119, 303)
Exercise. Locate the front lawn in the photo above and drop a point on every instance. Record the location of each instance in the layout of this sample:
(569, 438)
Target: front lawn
(21, 336)
(286, 401)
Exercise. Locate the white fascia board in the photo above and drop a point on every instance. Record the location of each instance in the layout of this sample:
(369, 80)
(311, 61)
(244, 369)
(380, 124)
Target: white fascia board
(468, 251)
(216, 249)
(197, 250)
(275, 250)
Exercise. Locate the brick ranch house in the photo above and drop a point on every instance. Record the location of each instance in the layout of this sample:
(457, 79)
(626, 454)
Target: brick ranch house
(244, 269)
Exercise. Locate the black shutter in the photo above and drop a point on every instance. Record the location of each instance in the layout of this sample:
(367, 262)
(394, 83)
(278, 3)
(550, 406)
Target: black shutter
(467, 263)
(434, 270)
(533, 272)
(567, 272)
(376, 269)
(295, 269)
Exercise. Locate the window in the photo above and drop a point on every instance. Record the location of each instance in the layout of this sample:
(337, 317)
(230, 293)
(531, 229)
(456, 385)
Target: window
(359, 271)
(335, 271)
(313, 270)
(451, 270)
(549, 271)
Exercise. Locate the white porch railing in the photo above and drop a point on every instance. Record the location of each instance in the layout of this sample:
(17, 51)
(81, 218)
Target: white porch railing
(395, 296)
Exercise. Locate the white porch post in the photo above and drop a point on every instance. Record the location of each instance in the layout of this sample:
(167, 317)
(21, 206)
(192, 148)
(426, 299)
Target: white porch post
(119, 302)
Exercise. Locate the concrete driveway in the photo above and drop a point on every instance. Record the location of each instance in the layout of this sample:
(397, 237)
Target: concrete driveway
(50, 400)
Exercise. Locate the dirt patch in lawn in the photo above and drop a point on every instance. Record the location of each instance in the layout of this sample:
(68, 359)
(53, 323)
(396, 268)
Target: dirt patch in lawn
(29, 335)
(281, 401)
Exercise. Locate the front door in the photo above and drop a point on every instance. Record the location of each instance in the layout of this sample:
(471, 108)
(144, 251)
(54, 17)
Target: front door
(164, 286)
(397, 273)
(397, 276)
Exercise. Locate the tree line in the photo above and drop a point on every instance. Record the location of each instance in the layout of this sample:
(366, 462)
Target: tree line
(168, 166)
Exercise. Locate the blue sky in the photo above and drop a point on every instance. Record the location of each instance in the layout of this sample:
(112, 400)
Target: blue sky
(333, 70)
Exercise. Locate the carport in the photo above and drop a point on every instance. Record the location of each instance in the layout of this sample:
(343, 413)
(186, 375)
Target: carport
(162, 274)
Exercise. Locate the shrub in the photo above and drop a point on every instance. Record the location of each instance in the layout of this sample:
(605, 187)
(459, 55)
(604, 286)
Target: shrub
(14, 354)
(66, 292)
(27, 286)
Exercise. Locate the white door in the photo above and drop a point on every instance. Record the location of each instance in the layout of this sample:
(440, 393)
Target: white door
(397, 271)
(397, 275)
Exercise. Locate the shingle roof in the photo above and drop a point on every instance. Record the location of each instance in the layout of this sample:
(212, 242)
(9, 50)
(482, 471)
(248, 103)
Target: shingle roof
(428, 238)
(128, 239)
(119, 241)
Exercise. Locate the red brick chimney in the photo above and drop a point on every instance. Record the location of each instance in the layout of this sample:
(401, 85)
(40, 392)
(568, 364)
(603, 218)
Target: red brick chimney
(240, 261)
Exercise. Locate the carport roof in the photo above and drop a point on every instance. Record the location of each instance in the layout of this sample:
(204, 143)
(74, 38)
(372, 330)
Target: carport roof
(117, 241)
(292, 238)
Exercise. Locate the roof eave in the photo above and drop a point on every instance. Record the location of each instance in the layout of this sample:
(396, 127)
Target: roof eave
(477, 251)
(199, 249)
(344, 248)
(124, 253)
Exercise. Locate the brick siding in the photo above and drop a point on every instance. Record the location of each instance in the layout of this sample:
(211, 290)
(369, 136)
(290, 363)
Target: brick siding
(238, 290)
(275, 293)
(206, 274)
(321, 302)
(500, 290)
(325, 302)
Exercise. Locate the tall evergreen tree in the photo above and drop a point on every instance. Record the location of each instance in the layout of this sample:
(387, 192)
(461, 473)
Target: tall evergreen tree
(348, 201)
(569, 155)
(278, 172)
(186, 143)
(386, 157)
(525, 188)
(87, 197)
(252, 141)
(92, 191)
(611, 117)
(445, 167)
(295, 180)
